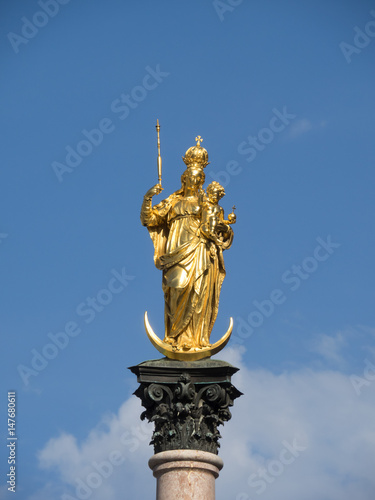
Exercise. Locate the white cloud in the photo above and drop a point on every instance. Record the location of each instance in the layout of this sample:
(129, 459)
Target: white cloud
(322, 412)
(317, 410)
(113, 457)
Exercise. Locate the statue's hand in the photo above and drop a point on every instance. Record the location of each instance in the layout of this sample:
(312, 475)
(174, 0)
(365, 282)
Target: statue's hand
(153, 191)
(223, 227)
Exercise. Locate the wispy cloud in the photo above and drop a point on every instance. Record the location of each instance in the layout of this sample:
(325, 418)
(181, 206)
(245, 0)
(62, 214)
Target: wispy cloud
(303, 126)
(299, 127)
(329, 347)
(367, 329)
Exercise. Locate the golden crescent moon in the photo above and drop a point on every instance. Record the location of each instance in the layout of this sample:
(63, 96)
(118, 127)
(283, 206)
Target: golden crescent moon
(191, 355)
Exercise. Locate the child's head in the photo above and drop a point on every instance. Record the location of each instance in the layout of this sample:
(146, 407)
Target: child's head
(215, 191)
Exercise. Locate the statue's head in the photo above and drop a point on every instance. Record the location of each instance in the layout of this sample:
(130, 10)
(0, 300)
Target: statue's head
(196, 156)
(193, 178)
(215, 191)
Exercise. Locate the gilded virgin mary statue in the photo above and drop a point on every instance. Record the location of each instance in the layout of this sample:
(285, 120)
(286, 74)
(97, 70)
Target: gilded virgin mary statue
(189, 234)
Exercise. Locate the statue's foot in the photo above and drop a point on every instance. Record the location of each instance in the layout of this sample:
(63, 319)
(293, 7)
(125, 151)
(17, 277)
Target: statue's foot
(172, 343)
(186, 346)
(169, 341)
(205, 344)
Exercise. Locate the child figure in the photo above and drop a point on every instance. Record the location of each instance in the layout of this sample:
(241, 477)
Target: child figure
(213, 214)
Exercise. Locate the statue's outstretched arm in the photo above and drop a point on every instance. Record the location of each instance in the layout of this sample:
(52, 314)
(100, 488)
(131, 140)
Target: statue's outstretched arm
(148, 215)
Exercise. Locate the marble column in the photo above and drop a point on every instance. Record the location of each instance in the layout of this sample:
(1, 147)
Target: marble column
(185, 474)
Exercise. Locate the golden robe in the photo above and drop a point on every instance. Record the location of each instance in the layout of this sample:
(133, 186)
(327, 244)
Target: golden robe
(193, 269)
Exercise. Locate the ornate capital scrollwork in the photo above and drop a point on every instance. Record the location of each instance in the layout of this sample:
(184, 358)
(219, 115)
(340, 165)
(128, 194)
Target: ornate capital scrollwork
(186, 404)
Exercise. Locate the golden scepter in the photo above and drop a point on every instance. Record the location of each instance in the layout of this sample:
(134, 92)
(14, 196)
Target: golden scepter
(159, 157)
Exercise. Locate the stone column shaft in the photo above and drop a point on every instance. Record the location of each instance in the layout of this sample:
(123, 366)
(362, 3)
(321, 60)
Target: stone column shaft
(185, 474)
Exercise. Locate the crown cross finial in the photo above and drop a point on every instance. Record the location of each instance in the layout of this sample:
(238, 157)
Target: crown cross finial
(199, 140)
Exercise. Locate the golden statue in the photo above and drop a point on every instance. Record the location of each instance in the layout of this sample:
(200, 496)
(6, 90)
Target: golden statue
(189, 234)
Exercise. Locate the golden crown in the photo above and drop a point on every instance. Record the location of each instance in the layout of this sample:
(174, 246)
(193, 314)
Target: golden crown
(196, 156)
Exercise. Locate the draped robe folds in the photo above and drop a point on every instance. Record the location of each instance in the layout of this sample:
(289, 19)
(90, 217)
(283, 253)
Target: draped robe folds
(193, 269)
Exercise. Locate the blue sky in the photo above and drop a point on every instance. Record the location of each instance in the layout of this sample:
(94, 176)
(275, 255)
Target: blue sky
(282, 94)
